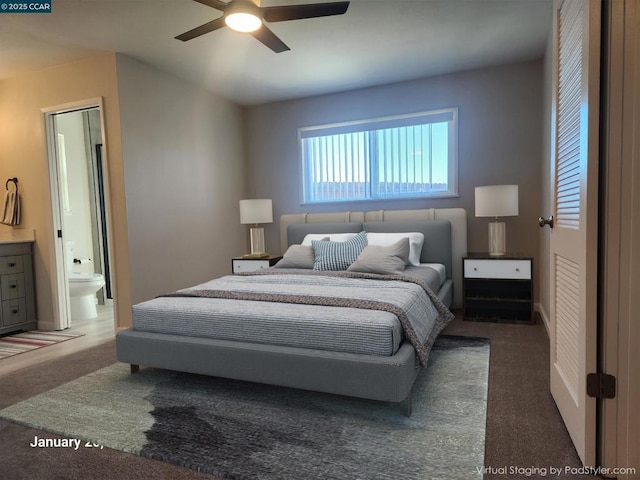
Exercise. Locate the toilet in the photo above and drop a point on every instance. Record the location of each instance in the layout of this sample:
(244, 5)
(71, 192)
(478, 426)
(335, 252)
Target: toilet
(82, 288)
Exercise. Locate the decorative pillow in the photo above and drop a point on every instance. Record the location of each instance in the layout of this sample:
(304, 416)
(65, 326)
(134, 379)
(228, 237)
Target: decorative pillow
(416, 240)
(382, 260)
(334, 237)
(297, 256)
(337, 255)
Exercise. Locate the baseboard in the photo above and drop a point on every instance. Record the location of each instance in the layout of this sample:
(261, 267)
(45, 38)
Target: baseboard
(46, 326)
(545, 319)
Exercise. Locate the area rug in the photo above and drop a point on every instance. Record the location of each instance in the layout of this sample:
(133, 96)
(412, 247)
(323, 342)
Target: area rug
(27, 341)
(242, 430)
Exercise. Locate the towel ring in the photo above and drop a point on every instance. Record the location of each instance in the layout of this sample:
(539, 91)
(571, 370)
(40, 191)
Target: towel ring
(14, 180)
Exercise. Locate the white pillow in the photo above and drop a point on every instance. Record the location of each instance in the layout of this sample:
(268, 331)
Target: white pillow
(333, 237)
(416, 240)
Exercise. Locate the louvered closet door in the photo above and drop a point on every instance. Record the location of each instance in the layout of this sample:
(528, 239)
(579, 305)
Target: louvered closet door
(574, 236)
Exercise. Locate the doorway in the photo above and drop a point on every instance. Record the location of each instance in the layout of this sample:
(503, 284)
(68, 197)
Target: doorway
(77, 170)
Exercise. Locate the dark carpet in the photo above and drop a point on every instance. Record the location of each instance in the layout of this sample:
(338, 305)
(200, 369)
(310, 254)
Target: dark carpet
(524, 428)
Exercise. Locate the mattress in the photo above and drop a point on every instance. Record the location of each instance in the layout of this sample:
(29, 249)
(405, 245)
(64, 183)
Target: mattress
(442, 273)
(338, 329)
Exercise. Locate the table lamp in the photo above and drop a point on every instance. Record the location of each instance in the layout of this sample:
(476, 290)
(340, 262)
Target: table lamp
(497, 201)
(256, 211)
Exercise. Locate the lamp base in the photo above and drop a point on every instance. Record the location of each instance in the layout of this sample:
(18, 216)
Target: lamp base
(255, 255)
(257, 244)
(497, 238)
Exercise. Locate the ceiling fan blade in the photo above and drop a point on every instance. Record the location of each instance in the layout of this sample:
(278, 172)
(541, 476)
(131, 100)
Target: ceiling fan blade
(202, 29)
(297, 12)
(270, 39)
(217, 4)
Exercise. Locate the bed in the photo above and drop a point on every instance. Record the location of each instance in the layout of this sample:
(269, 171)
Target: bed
(361, 369)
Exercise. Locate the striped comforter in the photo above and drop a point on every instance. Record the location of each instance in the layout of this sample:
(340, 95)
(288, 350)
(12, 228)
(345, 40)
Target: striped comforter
(337, 311)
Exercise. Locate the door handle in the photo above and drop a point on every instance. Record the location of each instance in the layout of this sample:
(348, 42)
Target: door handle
(545, 221)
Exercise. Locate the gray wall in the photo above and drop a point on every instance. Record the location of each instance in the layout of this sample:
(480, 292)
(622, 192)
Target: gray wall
(184, 175)
(500, 131)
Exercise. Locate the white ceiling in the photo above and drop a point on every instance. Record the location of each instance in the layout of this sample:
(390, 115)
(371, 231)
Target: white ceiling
(375, 42)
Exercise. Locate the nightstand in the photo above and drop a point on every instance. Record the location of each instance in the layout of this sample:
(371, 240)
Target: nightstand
(241, 265)
(497, 289)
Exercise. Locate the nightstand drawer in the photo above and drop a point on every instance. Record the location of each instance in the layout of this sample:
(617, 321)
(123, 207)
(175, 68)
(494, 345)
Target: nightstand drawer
(249, 265)
(507, 269)
(242, 265)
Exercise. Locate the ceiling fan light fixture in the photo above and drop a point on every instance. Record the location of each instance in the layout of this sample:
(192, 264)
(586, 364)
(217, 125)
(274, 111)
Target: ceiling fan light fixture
(243, 15)
(243, 22)
(247, 16)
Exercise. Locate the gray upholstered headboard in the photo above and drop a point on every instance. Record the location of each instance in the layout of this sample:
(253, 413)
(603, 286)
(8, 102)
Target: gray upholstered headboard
(437, 235)
(297, 231)
(354, 221)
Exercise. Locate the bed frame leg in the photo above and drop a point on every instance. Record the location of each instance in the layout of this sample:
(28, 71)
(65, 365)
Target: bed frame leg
(407, 406)
(135, 368)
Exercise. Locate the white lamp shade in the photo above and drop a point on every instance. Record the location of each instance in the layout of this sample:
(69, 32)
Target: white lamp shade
(497, 201)
(256, 211)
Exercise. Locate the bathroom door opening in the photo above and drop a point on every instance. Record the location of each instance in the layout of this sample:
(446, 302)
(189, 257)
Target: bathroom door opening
(80, 208)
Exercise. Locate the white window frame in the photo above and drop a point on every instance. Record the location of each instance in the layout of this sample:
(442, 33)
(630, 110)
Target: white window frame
(419, 118)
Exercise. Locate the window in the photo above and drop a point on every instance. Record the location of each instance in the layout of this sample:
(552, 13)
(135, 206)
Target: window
(404, 156)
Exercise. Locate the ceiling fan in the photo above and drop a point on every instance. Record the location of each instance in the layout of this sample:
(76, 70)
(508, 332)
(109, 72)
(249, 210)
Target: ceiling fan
(247, 16)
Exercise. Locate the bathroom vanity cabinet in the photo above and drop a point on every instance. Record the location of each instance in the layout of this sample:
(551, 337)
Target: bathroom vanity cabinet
(17, 294)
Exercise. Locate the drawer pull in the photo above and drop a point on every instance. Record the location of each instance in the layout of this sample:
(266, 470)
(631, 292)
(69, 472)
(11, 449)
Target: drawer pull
(15, 310)
(517, 269)
(475, 269)
(13, 286)
(12, 265)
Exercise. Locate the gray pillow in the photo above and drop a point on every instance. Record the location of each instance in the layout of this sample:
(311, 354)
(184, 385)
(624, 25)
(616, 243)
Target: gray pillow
(297, 256)
(383, 260)
(337, 255)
